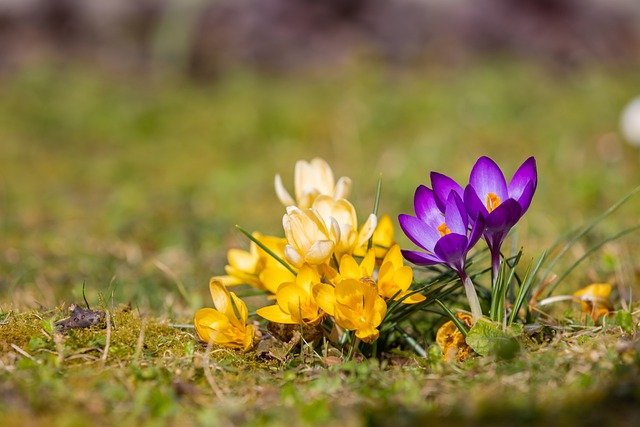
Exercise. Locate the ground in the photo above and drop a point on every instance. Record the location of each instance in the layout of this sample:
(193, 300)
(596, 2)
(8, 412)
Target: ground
(133, 187)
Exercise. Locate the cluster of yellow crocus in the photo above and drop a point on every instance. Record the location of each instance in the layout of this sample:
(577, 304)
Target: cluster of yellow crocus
(322, 242)
(354, 295)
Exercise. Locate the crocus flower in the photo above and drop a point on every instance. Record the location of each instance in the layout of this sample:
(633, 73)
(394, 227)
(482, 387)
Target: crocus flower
(501, 205)
(226, 325)
(444, 239)
(594, 299)
(488, 195)
(354, 304)
(256, 267)
(394, 278)
(312, 179)
(295, 302)
(340, 218)
(452, 342)
(308, 239)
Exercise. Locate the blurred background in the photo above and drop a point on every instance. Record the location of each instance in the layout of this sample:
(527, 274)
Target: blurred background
(134, 134)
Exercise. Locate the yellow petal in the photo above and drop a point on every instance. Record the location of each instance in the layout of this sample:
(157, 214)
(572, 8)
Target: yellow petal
(240, 308)
(412, 299)
(221, 298)
(273, 277)
(273, 313)
(325, 297)
(368, 335)
(595, 290)
(248, 337)
(242, 260)
(349, 267)
(394, 256)
(207, 320)
(228, 280)
(368, 263)
(323, 175)
(307, 277)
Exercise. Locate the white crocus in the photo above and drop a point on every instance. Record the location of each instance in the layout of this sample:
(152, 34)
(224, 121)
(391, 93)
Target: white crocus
(308, 238)
(340, 218)
(312, 179)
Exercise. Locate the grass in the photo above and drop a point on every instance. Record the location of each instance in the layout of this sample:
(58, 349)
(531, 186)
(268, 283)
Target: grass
(104, 179)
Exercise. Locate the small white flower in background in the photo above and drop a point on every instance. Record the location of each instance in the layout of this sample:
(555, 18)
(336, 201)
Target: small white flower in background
(630, 122)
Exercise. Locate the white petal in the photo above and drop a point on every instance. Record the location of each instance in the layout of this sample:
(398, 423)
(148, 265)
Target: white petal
(300, 179)
(343, 188)
(335, 230)
(320, 251)
(367, 230)
(282, 193)
(292, 256)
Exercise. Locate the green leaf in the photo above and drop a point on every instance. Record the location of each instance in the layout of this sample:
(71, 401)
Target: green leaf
(625, 321)
(487, 337)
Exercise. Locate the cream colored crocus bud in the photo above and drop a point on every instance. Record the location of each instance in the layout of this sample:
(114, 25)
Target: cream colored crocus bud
(308, 239)
(630, 122)
(340, 218)
(312, 179)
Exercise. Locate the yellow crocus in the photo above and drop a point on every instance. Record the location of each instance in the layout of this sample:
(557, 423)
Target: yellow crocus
(340, 218)
(382, 238)
(308, 240)
(295, 303)
(452, 342)
(256, 267)
(595, 299)
(312, 179)
(394, 278)
(226, 325)
(354, 304)
(350, 269)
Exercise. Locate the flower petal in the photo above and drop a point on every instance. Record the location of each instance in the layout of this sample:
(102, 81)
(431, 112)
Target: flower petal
(420, 258)
(526, 173)
(221, 298)
(282, 193)
(343, 188)
(473, 204)
(273, 313)
(293, 257)
(478, 228)
(426, 208)
(526, 196)
(442, 187)
(504, 216)
(319, 252)
(486, 177)
(455, 215)
(452, 249)
(324, 295)
(418, 231)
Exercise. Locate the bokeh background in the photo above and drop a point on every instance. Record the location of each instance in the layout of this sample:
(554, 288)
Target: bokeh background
(134, 134)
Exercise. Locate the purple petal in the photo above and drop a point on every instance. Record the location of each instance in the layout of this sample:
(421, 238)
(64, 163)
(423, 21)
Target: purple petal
(476, 232)
(504, 216)
(426, 208)
(419, 232)
(525, 174)
(473, 205)
(455, 215)
(420, 258)
(452, 249)
(527, 196)
(442, 187)
(486, 177)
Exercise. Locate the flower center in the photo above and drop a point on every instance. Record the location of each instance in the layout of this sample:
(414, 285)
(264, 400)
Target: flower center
(493, 201)
(443, 229)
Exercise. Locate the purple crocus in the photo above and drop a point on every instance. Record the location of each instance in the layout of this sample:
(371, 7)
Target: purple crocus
(501, 205)
(488, 196)
(443, 237)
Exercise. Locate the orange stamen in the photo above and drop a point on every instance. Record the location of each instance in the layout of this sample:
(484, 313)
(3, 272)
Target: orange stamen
(493, 201)
(443, 229)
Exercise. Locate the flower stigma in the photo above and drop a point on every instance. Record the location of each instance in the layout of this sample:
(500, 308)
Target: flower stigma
(443, 229)
(493, 201)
